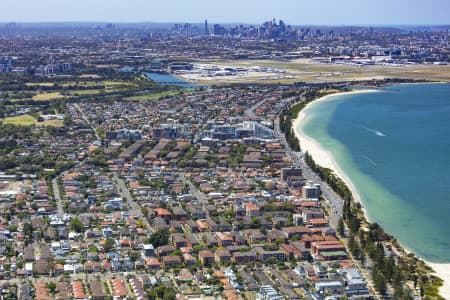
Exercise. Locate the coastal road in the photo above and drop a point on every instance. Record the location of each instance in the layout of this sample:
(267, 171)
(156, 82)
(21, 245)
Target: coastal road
(334, 200)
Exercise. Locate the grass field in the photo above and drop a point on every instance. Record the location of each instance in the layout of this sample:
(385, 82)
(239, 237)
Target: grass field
(86, 92)
(46, 84)
(27, 120)
(89, 76)
(74, 88)
(117, 83)
(75, 84)
(23, 120)
(52, 123)
(106, 83)
(48, 96)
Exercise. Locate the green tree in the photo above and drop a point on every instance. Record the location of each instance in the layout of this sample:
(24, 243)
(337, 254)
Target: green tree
(341, 227)
(161, 292)
(27, 230)
(76, 225)
(51, 286)
(379, 281)
(109, 244)
(160, 238)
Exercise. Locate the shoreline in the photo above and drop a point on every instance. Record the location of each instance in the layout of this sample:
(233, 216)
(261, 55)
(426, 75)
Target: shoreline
(322, 156)
(326, 159)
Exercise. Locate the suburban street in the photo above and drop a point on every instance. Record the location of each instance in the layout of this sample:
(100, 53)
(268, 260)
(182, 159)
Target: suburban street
(133, 205)
(202, 199)
(86, 119)
(251, 111)
(57, 196)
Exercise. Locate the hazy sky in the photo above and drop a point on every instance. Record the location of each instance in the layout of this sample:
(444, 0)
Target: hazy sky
(323, 12)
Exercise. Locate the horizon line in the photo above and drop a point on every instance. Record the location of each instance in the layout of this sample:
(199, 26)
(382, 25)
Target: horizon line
(218, 22)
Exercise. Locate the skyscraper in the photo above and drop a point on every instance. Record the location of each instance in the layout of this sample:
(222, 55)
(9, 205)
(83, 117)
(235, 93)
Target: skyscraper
(206, 27)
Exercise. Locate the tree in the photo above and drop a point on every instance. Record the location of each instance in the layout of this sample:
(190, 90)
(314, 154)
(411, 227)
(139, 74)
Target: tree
(134, 255)
(379, 281)
(76, 225)
(12, 228)
(161, 292)
(351, 243)
(28, 230)
(109, 244)
(51, 286)
(341, 227)
(141, 223)
(160, 238)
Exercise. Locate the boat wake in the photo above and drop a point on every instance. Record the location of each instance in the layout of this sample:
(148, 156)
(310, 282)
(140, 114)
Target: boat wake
(379, 133)
(369, 160)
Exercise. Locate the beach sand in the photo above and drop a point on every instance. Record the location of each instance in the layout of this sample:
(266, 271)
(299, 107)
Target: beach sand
(443, 272)
(325, 158)
(320, 155)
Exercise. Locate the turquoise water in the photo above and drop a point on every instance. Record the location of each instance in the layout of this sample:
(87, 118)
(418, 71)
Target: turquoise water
(395, 147)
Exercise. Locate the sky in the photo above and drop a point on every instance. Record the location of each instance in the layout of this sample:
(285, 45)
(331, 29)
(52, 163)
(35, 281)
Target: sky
(298, 12)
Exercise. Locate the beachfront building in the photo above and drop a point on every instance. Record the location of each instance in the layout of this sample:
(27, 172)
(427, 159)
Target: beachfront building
(311, 190)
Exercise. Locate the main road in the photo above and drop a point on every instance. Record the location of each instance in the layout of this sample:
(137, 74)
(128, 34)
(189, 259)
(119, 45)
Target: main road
(335, 201)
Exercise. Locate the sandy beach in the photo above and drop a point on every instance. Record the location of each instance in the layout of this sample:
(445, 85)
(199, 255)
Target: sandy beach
(443, 272)
(325, 158)
(322, 156)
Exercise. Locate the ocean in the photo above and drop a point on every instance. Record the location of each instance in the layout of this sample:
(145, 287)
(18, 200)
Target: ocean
(394, 145)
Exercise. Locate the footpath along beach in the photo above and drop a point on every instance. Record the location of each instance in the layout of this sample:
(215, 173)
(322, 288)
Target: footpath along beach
(325, 158)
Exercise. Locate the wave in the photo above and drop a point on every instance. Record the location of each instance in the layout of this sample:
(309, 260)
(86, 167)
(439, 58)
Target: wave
(377, 132)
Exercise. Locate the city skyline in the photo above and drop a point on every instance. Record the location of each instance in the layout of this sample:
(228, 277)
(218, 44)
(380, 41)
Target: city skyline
(324, 12)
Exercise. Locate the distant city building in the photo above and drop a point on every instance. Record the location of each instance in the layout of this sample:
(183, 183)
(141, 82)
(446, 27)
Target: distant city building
(6, 65)
(54, 69)
(219, 30)
(206, 28)
(11, 25)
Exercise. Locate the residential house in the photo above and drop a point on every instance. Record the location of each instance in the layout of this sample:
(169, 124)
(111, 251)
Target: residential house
(206, 257)
(223, 256)
(171, 261)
